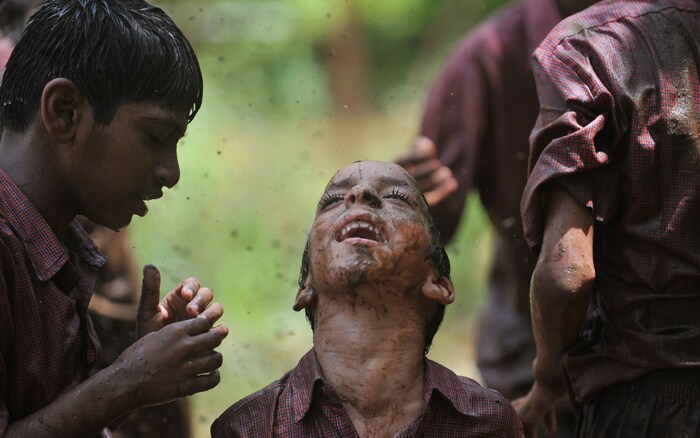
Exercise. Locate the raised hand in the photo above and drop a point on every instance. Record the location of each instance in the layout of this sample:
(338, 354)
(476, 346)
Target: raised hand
(175, 361)
(186, 301)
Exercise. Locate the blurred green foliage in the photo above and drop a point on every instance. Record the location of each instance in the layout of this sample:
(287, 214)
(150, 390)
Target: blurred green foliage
(255, 161)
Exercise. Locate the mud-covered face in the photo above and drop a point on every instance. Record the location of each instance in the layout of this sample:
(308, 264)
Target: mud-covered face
(370, 227)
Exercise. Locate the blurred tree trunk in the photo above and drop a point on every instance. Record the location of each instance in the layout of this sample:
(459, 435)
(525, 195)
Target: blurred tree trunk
(346, 63)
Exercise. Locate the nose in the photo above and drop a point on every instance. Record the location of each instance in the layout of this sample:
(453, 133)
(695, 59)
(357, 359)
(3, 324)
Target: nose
(362, 194)
(168, 172)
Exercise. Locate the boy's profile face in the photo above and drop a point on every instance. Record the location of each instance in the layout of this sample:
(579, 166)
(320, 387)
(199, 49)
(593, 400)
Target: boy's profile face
(370, 226)
(118, 166)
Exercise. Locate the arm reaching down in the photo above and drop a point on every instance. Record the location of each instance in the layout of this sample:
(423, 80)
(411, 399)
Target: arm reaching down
(559, 295)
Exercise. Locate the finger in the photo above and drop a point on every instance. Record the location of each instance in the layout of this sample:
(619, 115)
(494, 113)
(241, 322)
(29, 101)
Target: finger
(411, 159)
(550, 422)
(150, 292)
(195, 326)
(209, 340)
(424, 146)
(222, 330)
(188, 288)
(176, 307)
(425, 170)
(213, 313)
(202, 382)
(422, 149)
(200, 301)
(204, 363)
(444, 190)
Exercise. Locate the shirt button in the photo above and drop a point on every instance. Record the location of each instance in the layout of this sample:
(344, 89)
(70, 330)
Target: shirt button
(74, 294)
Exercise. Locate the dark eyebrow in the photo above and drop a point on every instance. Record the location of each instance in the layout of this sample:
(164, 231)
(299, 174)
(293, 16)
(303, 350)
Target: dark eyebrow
(384, 180)
(390, 181)
(342, 184)
(176, 125)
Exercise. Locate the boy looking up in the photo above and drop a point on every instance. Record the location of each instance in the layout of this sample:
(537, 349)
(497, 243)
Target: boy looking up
(94, 99)
(374, 283)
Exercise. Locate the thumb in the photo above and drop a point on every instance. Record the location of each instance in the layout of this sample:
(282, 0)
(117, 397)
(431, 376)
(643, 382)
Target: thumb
(150, 292)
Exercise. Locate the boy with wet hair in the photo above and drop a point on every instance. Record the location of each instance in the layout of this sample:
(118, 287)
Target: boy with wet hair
(95, 97)
(374, 282)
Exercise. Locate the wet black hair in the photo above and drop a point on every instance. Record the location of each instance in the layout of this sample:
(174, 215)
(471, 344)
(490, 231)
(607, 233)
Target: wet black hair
(436, 255)
(114, 51)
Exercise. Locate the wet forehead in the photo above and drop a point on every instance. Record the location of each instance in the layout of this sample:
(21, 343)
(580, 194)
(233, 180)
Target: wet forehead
(375, 173)
(154, 113)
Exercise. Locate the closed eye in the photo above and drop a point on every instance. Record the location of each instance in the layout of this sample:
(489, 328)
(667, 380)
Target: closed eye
(329, 199)
(398, 194)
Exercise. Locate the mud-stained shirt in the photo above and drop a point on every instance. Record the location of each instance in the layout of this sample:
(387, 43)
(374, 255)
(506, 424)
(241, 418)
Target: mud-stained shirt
(47, 344)
(619, 130)
(301, 404)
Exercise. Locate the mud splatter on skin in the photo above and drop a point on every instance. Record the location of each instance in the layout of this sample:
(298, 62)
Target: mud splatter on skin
(370, 314)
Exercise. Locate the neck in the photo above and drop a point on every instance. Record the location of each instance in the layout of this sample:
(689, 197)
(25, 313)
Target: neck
(28, 162)
(371, 352)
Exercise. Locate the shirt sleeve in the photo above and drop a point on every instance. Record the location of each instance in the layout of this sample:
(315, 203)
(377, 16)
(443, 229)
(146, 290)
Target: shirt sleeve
(454, 119)
(571, 144)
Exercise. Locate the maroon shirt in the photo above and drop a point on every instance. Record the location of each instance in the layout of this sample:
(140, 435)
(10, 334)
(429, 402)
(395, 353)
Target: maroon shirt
(47, 344)
(620, 132)
(301, 404)
(480, 113)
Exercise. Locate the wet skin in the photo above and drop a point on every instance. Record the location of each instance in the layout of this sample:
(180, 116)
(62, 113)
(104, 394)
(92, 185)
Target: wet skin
(373, 291)
(126, 162)
(370, 227)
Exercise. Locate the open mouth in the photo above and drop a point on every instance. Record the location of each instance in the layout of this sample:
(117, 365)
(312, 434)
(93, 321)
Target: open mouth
(151, 196)
(360, 230)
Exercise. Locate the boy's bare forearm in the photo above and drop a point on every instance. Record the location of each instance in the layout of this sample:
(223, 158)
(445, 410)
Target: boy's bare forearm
(176, 361)
(558, 313)
(561, 284)
(80, 412)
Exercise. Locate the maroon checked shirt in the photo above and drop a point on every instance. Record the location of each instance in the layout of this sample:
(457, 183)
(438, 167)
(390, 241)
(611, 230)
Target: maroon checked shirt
(619, 130)
(47, 344)
(301, 404)
(479, 113)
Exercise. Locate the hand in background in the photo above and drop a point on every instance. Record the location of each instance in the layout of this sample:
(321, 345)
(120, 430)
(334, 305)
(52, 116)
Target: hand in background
(538, 405)
(436, 181)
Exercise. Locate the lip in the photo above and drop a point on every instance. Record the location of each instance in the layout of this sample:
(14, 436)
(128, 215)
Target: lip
(143, 208)
(365, 220)
(151, 196)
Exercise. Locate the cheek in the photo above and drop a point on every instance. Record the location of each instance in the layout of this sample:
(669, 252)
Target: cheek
(319, 241)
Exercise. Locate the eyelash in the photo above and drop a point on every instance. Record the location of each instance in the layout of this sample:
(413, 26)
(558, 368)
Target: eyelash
(328, 199)
(331, 198)
(396, 194)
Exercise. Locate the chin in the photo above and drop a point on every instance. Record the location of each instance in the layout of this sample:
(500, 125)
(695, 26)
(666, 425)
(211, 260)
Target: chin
(358, 272)
(113, 223)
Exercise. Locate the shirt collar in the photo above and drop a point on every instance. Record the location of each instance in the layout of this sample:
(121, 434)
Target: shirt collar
(443, 380)
(540, 17)
(45, 251)
(303, 379)
(304, 376)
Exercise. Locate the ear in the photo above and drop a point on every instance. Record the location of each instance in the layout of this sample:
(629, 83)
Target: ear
(63, 109)
(439, 289)
(306, 296)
